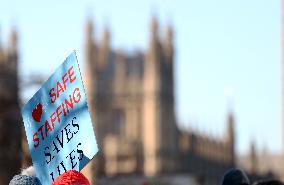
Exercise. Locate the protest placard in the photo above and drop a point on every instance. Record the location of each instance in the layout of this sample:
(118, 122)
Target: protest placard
(58, 124)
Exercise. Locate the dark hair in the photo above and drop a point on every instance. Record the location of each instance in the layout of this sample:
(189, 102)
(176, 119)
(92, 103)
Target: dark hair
(235, 176)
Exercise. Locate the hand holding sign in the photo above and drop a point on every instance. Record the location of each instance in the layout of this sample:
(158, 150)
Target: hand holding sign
(60, 133)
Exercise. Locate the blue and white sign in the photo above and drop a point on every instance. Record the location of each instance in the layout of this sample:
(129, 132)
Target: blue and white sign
(58, 124)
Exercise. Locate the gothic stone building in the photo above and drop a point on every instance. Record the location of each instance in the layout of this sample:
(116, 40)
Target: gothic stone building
(131, 97)
(10, 118)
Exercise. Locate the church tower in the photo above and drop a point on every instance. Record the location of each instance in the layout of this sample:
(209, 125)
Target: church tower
(10, 119)
(159, 129)
(88, 170)
(99, 89)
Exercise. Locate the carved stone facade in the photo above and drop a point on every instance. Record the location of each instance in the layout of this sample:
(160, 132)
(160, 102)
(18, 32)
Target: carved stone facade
(131, 97)
(10, 118)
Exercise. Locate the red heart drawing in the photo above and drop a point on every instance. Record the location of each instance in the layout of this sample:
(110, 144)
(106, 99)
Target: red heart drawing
(36, 114)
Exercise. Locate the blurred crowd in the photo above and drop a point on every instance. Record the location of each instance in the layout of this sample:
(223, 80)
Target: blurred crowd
(233, 176)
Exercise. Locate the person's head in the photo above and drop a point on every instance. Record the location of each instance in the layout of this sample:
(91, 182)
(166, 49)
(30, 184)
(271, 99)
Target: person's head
(27, 177)
(268, 182)
(235, 177)
(71, 177)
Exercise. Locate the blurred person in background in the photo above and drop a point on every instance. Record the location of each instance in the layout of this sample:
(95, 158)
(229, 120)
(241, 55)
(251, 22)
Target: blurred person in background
(27, 177)
(235, 177)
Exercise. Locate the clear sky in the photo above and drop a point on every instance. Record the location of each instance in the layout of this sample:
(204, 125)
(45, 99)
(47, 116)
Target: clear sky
(222, 47)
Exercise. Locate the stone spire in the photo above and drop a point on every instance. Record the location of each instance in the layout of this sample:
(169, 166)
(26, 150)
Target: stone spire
(169, 35)
(106, 38)
(104, 49)
(13, 42)
(231, 135)
(89, 44)
(154, 26)
(2, 54)
(153, 55)
(153, 30)
(89, 28)
(168, 44)
(253, 158)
